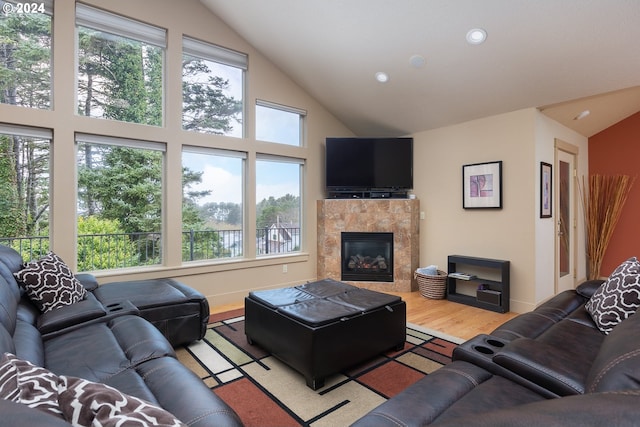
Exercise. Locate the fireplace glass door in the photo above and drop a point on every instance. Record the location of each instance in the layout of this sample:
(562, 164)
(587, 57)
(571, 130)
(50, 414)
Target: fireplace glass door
(367, 257)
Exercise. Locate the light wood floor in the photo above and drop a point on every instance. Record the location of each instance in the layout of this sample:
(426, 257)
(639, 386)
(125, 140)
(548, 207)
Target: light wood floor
(451, 318)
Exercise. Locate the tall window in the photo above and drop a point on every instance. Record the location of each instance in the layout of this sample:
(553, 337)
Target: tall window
(25, 54)
(278, 184)
(119, 202)
(212, 88)
(120, 67)
(212, 214)
(278, 123)
(24, 189)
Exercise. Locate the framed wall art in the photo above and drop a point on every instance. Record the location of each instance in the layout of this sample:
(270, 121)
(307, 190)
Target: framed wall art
(546, 190)
(482, 185)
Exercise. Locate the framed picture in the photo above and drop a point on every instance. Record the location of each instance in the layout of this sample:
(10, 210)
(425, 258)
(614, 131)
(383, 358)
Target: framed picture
(482, 186)
(545, 190)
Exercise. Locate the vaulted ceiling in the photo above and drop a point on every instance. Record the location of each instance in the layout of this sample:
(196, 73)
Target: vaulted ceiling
(562, 56)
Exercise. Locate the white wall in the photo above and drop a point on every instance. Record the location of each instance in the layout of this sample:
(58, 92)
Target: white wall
(521, 139)
(547, 131)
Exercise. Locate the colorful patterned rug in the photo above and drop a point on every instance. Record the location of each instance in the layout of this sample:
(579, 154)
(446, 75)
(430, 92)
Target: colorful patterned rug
(265, 392)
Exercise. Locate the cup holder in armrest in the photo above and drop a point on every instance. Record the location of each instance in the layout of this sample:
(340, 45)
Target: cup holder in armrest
(479, 350)
(495, 343)
(124, 307)
(487, 344)
(484, 350)
(491, 345)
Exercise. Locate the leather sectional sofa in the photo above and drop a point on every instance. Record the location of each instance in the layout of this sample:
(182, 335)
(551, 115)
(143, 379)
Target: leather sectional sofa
(111, 346)
(549, 367)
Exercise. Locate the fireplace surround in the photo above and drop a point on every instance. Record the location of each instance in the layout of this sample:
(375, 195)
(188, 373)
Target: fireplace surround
(398, 216)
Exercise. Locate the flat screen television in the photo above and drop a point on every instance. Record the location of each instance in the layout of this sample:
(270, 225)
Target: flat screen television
(375, 167)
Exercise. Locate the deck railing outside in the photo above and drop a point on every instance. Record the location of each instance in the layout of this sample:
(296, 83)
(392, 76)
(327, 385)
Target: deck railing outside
(103, 251)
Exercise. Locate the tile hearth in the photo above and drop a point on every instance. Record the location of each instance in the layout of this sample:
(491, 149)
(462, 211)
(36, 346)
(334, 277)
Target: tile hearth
(398, 216)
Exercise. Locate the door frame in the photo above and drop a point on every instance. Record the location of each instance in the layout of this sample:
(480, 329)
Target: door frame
(572, 150)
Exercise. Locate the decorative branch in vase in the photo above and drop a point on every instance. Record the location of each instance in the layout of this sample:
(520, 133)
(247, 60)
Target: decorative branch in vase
(602, 202)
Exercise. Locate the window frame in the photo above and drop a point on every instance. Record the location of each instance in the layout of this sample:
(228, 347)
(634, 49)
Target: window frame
(38, 134)
(267, 157)
(106, 140)
(120, 26)
(49, 11)
(224, 56)
(243, 156)
(302, 115)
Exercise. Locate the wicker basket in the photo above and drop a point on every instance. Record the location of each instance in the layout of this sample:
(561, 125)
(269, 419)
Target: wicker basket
(432, 287)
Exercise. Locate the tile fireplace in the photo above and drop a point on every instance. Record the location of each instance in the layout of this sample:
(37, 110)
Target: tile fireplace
(399, 218)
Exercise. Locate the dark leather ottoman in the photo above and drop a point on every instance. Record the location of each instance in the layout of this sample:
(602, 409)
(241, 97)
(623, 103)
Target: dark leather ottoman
(181, 313)
(323, 327)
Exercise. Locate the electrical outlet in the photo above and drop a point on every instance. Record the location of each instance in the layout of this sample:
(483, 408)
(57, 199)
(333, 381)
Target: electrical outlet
(422, 215)
(285, 268)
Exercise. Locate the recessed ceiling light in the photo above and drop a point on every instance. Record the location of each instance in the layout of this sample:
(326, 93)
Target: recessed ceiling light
(582, 115)
(417, 61)
(382, 77)
(476, 36)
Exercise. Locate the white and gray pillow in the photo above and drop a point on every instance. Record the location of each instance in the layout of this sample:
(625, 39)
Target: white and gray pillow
(75, 400)
(617, 298)
(50, 283)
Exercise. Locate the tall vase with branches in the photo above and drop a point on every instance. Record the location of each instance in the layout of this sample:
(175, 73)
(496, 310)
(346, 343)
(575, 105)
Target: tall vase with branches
(602, 202)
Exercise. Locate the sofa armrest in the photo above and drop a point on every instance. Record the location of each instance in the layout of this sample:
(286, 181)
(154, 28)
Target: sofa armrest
(63, 317)
(544, 365)
(88, 280)
(109, 312)
(593, 409)
(428, 398)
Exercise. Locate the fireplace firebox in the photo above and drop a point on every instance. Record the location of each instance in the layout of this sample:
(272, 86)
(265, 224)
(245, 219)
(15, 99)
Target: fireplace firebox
(367, 256)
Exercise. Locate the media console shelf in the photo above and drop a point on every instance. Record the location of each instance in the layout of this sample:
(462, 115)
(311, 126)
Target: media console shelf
(488, 278)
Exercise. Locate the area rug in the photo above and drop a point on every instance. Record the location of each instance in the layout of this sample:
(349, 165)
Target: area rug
(267, 393)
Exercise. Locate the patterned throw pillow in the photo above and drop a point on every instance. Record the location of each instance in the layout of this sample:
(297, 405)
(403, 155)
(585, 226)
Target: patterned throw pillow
(617, 298)
(77, 401)
(50, 283)
(86, 403)
(22, 382)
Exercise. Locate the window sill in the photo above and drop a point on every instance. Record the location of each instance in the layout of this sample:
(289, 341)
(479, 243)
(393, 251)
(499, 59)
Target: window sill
(203, 267)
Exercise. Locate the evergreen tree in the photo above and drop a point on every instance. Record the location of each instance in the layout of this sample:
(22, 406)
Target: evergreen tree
(191, 217)
(283, 210)
(25, 60)
(153, 84)
(125, 185)
(222, 212)
(119, 78)
(206, 108)
(25, 80)
(11, 216)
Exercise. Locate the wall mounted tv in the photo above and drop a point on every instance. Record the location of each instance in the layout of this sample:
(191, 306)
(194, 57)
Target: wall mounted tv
(369, 167)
